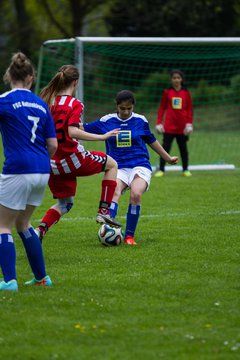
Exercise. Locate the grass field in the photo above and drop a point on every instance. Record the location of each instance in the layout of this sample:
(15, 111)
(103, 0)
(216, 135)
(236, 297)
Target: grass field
(174, 296)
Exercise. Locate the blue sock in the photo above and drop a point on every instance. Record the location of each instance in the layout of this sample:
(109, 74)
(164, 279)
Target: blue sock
(132, 219)
(113, 209)
(7, 257)
(33, 248)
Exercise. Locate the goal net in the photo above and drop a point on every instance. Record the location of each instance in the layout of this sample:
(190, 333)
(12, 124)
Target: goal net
(142, 65)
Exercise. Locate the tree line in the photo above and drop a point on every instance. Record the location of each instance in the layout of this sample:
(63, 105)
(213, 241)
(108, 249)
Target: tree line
(26, 24)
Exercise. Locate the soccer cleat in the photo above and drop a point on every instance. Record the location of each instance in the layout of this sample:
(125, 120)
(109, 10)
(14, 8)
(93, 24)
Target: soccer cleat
(9, 286)
(129, 240)
(39, 233)
(187, 173)
(106, 219)
(159, 173)
(46, 281)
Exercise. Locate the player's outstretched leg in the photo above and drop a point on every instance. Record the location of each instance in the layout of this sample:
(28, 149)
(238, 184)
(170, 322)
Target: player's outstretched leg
(107, 219)
(104, 215)
(53, 215)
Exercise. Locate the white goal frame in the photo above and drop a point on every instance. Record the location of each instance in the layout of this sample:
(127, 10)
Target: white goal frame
(79, 52)
(79, 56)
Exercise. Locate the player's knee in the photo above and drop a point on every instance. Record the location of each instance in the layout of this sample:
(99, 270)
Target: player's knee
(69, 206)
(65, 205)
(111, 163)
(135, 197)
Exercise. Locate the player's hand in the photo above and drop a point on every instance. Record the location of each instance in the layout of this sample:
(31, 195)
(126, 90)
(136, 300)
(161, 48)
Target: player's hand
(188, 129)
(159, 129)
(113, 132)
(173, 160)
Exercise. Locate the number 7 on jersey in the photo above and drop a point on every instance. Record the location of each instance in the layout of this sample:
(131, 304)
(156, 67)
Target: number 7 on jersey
(35, 120)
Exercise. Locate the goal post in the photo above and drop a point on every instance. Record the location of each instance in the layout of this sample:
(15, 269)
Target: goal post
(52, 55)
(211, 65)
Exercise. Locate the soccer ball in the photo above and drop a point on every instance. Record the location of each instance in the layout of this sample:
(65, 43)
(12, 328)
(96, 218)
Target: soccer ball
(109, 236)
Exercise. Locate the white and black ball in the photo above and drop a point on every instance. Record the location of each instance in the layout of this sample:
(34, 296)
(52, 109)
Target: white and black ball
(109, 236)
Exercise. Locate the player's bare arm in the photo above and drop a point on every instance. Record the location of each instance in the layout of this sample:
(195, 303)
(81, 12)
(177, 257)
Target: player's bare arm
(51, 146)
(157, 147)
(80, 134)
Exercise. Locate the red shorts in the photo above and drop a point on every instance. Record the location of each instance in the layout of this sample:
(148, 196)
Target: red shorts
(64, 172)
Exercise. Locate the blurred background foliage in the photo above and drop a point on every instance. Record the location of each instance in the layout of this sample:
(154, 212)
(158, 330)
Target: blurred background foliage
(26, 24)
(213, 75)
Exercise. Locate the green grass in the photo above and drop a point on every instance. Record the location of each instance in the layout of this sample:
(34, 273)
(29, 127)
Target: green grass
(174, 296)
(209, 147)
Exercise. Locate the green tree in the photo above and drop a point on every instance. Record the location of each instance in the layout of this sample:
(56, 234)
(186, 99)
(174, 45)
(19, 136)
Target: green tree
(172, 18)
(26, 24)
(73, 11)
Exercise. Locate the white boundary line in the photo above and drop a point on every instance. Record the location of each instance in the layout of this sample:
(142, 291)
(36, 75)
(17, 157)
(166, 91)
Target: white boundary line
(152, 216)
(198, 167)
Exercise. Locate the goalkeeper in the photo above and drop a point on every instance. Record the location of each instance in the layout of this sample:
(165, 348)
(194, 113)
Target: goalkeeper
(176, 110)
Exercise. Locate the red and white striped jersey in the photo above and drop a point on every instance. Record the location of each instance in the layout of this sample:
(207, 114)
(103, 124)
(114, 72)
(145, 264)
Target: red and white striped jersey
(66, 111)
(71, 158)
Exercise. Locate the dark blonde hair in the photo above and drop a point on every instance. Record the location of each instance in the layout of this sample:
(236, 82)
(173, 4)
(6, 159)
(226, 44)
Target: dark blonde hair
(19, 68)
(61, 81)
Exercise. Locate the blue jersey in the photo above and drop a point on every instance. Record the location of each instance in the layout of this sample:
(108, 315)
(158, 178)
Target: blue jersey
(25, 124)
(128, 148)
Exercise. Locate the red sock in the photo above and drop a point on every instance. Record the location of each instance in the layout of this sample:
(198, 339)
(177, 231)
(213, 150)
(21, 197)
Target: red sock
(108, 189)
(51, 217)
